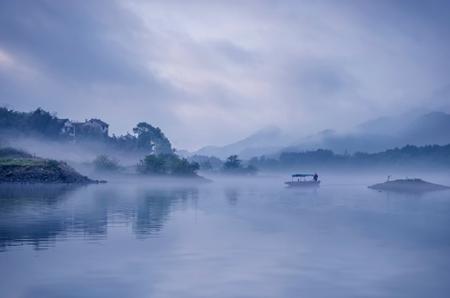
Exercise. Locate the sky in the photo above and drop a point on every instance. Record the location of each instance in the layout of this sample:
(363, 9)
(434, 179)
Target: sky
(212, 72)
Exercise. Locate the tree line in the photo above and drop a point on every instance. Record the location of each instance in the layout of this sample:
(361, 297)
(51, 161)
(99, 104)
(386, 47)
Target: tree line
(46, 125)
(408, 156)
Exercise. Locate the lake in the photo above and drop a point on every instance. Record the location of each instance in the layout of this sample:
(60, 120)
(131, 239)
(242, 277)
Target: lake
(232, 238)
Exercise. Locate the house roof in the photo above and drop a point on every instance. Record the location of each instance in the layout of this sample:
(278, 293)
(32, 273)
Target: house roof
(102, 123)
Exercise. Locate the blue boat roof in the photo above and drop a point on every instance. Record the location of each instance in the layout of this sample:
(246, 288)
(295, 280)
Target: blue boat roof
(302, 175)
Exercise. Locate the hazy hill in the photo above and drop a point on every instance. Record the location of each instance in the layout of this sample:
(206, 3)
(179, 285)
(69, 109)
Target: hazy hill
(430, 128)
(17, 166)
(407, 157)
(381, 134)
(265, 141)
(372, 136)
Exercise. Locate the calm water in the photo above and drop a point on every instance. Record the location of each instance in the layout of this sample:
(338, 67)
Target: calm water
(230, 239)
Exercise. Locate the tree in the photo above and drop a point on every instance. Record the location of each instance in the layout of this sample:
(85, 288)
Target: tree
(167, 164)
(207, 163)
(152, 139)
(182, 167)
(233, 162)
(44, 123)
(233, 165)
(151, 164)
(105, 163)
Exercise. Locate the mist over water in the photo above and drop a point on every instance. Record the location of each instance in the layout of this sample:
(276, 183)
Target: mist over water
(235, 237)
(145, 148)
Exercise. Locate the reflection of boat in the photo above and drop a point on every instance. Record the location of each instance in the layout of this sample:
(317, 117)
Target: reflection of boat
(303, 181)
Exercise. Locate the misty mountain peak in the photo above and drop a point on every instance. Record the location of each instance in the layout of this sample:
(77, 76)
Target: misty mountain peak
(264, 133)
(437, 116)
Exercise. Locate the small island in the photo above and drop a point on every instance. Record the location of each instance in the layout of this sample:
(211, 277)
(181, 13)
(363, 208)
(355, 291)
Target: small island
(17, 166)
(408, 185)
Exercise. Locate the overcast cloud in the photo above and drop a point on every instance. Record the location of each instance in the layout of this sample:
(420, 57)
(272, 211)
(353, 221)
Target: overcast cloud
(211, 72)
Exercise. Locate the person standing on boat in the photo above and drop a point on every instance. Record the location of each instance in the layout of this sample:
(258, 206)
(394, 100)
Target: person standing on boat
(315, 177)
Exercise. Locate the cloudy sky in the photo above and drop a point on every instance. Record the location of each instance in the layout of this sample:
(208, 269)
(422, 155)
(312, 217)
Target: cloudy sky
(211, 72)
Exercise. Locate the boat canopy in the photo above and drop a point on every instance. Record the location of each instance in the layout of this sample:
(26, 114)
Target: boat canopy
(302, 175)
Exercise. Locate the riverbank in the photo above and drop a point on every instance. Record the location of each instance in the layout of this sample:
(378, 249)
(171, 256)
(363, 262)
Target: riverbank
(20, 167)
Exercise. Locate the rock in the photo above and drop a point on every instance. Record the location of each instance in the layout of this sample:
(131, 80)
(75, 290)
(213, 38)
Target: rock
(408, 185)
(38, 170)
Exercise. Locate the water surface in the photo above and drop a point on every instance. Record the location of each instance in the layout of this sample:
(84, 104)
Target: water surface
(226, 239)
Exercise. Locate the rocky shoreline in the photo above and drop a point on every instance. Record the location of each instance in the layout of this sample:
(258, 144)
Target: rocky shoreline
(21, 167)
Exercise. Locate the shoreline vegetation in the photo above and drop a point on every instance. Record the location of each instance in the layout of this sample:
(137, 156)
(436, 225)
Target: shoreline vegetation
(17, 166)
(148, 146)
(92, 134)
(149, 153)
(409, 156)
(169, 166)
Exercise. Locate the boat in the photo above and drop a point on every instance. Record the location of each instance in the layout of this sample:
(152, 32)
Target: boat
(302, 180)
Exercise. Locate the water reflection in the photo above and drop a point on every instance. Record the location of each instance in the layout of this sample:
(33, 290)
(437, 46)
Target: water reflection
(37, 215)
(153, 241)
(232, 195)
(153, 208)
(28, 213)
(13, 195)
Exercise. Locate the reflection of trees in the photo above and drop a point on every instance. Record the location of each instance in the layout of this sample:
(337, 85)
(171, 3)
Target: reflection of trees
(21, 209)
(38, 215)
(17, 196)
(154, 207)
(92, 221)
(232, 195)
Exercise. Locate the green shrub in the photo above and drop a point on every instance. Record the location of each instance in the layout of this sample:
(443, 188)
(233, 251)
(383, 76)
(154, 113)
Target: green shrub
(53, 164)
(167, 164)
(105, 163)
(233, 165)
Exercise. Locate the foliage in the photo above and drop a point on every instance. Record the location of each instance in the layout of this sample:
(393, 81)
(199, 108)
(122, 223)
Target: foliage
(37, 122)
(207, 163)
(54, 164)
(105, 163)
(233, 165)
(43, 124)
(38, 170)
(22, 162)
(167, 164)
(152, 164)
(407, 156)
(182, 167)
(151, 139)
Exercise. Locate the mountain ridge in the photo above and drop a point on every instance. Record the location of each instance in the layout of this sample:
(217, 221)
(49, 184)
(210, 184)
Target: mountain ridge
(371, 136)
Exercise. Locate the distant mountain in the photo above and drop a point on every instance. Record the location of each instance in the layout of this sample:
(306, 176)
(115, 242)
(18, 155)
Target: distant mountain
(265, 141)
(372, 136)
(382, 133)
(432, 128)
(406, 124)
(408, 157)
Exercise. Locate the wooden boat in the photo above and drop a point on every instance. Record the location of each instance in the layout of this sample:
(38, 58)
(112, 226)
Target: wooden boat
(301, 180)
